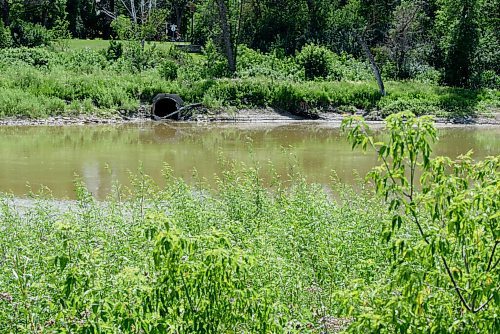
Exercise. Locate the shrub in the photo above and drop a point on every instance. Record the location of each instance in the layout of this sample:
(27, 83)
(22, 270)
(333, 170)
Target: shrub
(30, 35)
(5, 36)
(114, 50)
(61, 31)
(140, 58)
(346, 67)
(168, 69)
(37, 57)
(86, 61)
(418, 107)
(123, 28)
(486, 79)
(316, 61)
(443, 234)
(252, 63)
(427, 74)
(216, 64)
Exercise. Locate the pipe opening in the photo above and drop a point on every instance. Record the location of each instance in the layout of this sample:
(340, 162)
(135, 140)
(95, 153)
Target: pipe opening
(166, 104)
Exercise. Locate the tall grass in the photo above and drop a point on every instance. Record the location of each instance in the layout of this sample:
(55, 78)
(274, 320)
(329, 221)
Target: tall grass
(277, 257)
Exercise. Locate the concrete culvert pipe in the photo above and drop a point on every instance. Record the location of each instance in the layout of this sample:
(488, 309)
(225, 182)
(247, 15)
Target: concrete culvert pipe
(166, 106)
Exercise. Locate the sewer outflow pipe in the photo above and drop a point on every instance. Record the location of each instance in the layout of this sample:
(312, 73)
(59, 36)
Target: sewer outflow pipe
(166, 106)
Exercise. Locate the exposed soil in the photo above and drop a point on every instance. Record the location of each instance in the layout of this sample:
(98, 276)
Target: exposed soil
(227, 115)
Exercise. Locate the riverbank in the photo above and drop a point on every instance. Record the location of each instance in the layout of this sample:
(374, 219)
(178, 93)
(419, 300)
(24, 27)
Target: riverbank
(83, 86)
(230, 115)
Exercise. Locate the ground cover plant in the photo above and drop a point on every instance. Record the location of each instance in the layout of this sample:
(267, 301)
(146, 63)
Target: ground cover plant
(249, 256)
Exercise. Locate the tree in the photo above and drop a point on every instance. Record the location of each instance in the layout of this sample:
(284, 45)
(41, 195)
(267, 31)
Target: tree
(5, 8)
(43, 12)
(444, 232)
(227, 39)
(145, 16)
(488, 53)
(458, 34)
(404, 35)
(229, 17)
(277, 24)
(179, 7)
(351, 18)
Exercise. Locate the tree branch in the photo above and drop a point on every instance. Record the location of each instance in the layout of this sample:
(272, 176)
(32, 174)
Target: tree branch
(492, 256)
(484, 305)
(455, 285)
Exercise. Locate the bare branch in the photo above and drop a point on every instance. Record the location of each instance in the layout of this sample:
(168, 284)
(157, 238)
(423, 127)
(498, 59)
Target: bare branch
(455, 285)
(492, 256)
(483, 305)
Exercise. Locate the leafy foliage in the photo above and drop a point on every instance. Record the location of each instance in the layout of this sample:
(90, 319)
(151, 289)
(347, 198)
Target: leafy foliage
(228, 258)
(443, 234)
(168, 70)
(30, 35)
(5, 37)
(114, 51)
(315, 60)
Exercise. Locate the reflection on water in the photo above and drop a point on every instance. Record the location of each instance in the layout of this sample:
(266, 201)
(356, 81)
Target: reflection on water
(52, 156)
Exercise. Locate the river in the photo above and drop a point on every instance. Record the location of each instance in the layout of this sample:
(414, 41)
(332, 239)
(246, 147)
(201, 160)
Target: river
(31, 156)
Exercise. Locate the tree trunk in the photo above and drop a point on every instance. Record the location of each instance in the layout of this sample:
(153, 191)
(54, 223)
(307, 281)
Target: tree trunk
(179, 12)
(374, 66)
(226, 35)
(5, 12)
(238, 31)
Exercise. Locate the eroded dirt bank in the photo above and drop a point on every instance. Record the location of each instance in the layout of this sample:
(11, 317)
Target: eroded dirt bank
(258, 115)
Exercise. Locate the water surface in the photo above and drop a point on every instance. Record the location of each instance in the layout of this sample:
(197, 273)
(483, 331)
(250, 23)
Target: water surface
(52, 156)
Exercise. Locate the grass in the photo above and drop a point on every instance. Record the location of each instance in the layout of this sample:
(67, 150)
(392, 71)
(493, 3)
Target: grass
(102, 44)
(90, 266)
(93, 44)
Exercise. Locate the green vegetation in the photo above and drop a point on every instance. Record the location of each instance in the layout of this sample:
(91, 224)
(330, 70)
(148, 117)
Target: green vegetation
(416, 251)
(245, 256)
(239, 257)
(40, 82)
(448, 268)
(427, 56)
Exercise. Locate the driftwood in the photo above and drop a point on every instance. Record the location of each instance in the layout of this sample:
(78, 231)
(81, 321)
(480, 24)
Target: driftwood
(175, 113)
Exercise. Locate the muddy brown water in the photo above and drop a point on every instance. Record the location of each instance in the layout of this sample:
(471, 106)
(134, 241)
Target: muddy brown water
(51, 156)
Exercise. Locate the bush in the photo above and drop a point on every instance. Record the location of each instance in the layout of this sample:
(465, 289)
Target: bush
(30, 35)
(346, 67)
(123, 28)
(252, 63)
(16, 102)
(140, 58)
(86, 61)
(443, 235)
(37, 57)
(427, 74)
(5, 37)
(215, 65)
(418, 107)
(114, 50)
(61, 31)
(168, 69)
(316, 61)
(486, 79)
